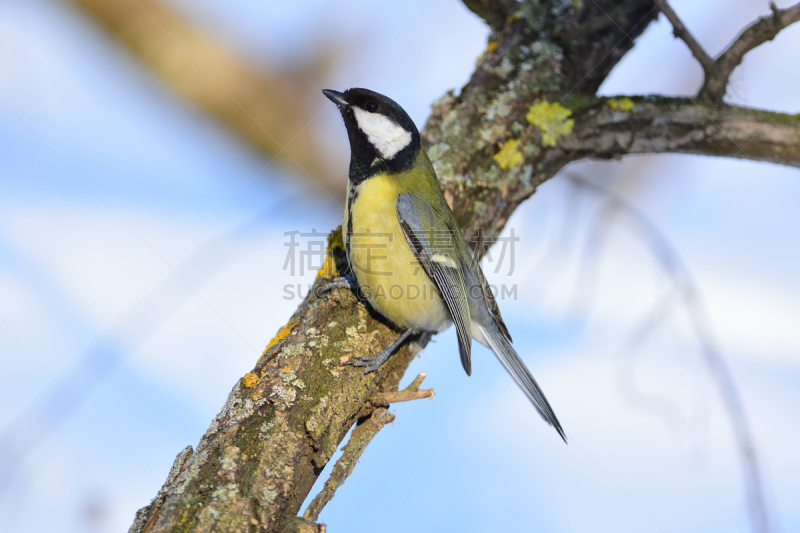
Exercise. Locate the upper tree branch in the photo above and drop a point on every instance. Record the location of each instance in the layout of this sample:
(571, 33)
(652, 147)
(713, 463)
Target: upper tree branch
(679, 125)
(763, 30)
(718, 72)
(681, 32)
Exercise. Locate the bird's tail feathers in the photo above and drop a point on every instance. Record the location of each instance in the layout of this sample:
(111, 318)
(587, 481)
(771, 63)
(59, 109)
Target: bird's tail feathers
(492, 338)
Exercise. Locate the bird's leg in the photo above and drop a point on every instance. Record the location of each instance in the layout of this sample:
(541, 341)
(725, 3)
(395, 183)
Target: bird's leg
(371, 363)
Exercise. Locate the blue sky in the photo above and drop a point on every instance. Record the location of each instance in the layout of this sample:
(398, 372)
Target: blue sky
(141, 276)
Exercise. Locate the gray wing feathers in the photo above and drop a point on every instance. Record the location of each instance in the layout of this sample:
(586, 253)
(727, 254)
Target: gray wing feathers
(488, 297)
(494, 339)
(449, 280)
(468, 298)
(482, 305)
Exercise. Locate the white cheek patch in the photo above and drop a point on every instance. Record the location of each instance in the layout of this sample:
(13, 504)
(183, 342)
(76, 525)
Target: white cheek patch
(385, 135)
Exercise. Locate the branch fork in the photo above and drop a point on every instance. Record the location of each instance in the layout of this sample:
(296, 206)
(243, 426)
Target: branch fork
(362, 435)
(718, 71)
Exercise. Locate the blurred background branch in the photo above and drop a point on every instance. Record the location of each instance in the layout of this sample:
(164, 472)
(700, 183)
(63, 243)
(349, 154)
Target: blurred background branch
(684, 291)
(270, 107)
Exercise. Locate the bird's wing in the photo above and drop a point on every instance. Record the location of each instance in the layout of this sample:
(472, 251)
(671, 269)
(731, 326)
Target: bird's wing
(435, 246)
(488, 297)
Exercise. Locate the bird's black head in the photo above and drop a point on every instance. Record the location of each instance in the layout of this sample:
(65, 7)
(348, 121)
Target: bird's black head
(382, 135)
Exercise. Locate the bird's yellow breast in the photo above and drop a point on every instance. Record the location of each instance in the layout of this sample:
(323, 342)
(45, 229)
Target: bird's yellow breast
(385, 267)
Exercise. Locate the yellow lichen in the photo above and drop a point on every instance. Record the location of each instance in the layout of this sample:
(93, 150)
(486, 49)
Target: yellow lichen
(335, 244)
(250, 380)
(489, 49)
(328, 267)
(282, 334)
(509, 155)
(552, 119)
(625, 104)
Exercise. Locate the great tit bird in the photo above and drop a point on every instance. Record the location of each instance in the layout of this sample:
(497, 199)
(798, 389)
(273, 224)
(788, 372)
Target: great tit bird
(406, 251)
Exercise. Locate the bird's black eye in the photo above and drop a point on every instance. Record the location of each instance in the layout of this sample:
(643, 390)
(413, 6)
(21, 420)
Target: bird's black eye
(372, 107)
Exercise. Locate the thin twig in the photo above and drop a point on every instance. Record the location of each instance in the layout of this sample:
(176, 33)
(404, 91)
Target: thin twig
(670, 261)
(363, 433)
(412, 392)
(681, 32)
(763, 30)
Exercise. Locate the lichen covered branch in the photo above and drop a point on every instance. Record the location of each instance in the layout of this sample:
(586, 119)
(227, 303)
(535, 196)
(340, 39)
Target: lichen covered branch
(678, 125)
(147, 516)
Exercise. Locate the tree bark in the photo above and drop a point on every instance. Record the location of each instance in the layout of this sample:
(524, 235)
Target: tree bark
(527, 111)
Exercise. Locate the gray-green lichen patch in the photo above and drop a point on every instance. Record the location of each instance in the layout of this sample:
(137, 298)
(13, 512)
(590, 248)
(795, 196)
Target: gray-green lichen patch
(504, 69)
(319, 419)
(269, 495)
(193, 468)
(224, 493)
(228, 462)
(451, 126)
(294, 350)
(438, 150)
(446, 99)
(290, 379)
(283, 397)
(331, 366)
(525, 177)
(445, 171)
(491, 133)
(263, 431)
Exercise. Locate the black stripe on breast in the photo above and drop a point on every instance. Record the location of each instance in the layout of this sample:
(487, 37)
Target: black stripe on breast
(351, 199)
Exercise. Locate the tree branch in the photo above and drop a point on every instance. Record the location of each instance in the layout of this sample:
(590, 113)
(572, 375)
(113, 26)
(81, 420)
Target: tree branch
(676, 125)
(763, 30)
(147, 516)
(412, 392)
(364, 432)
(718, 72)
(679, 30)
(270, 108)
(494, 12)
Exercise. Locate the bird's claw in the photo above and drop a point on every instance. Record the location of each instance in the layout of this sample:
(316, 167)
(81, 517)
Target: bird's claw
(371, 363)
(344, 282)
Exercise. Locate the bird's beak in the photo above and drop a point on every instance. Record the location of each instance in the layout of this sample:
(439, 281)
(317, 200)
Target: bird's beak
(336, 97)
